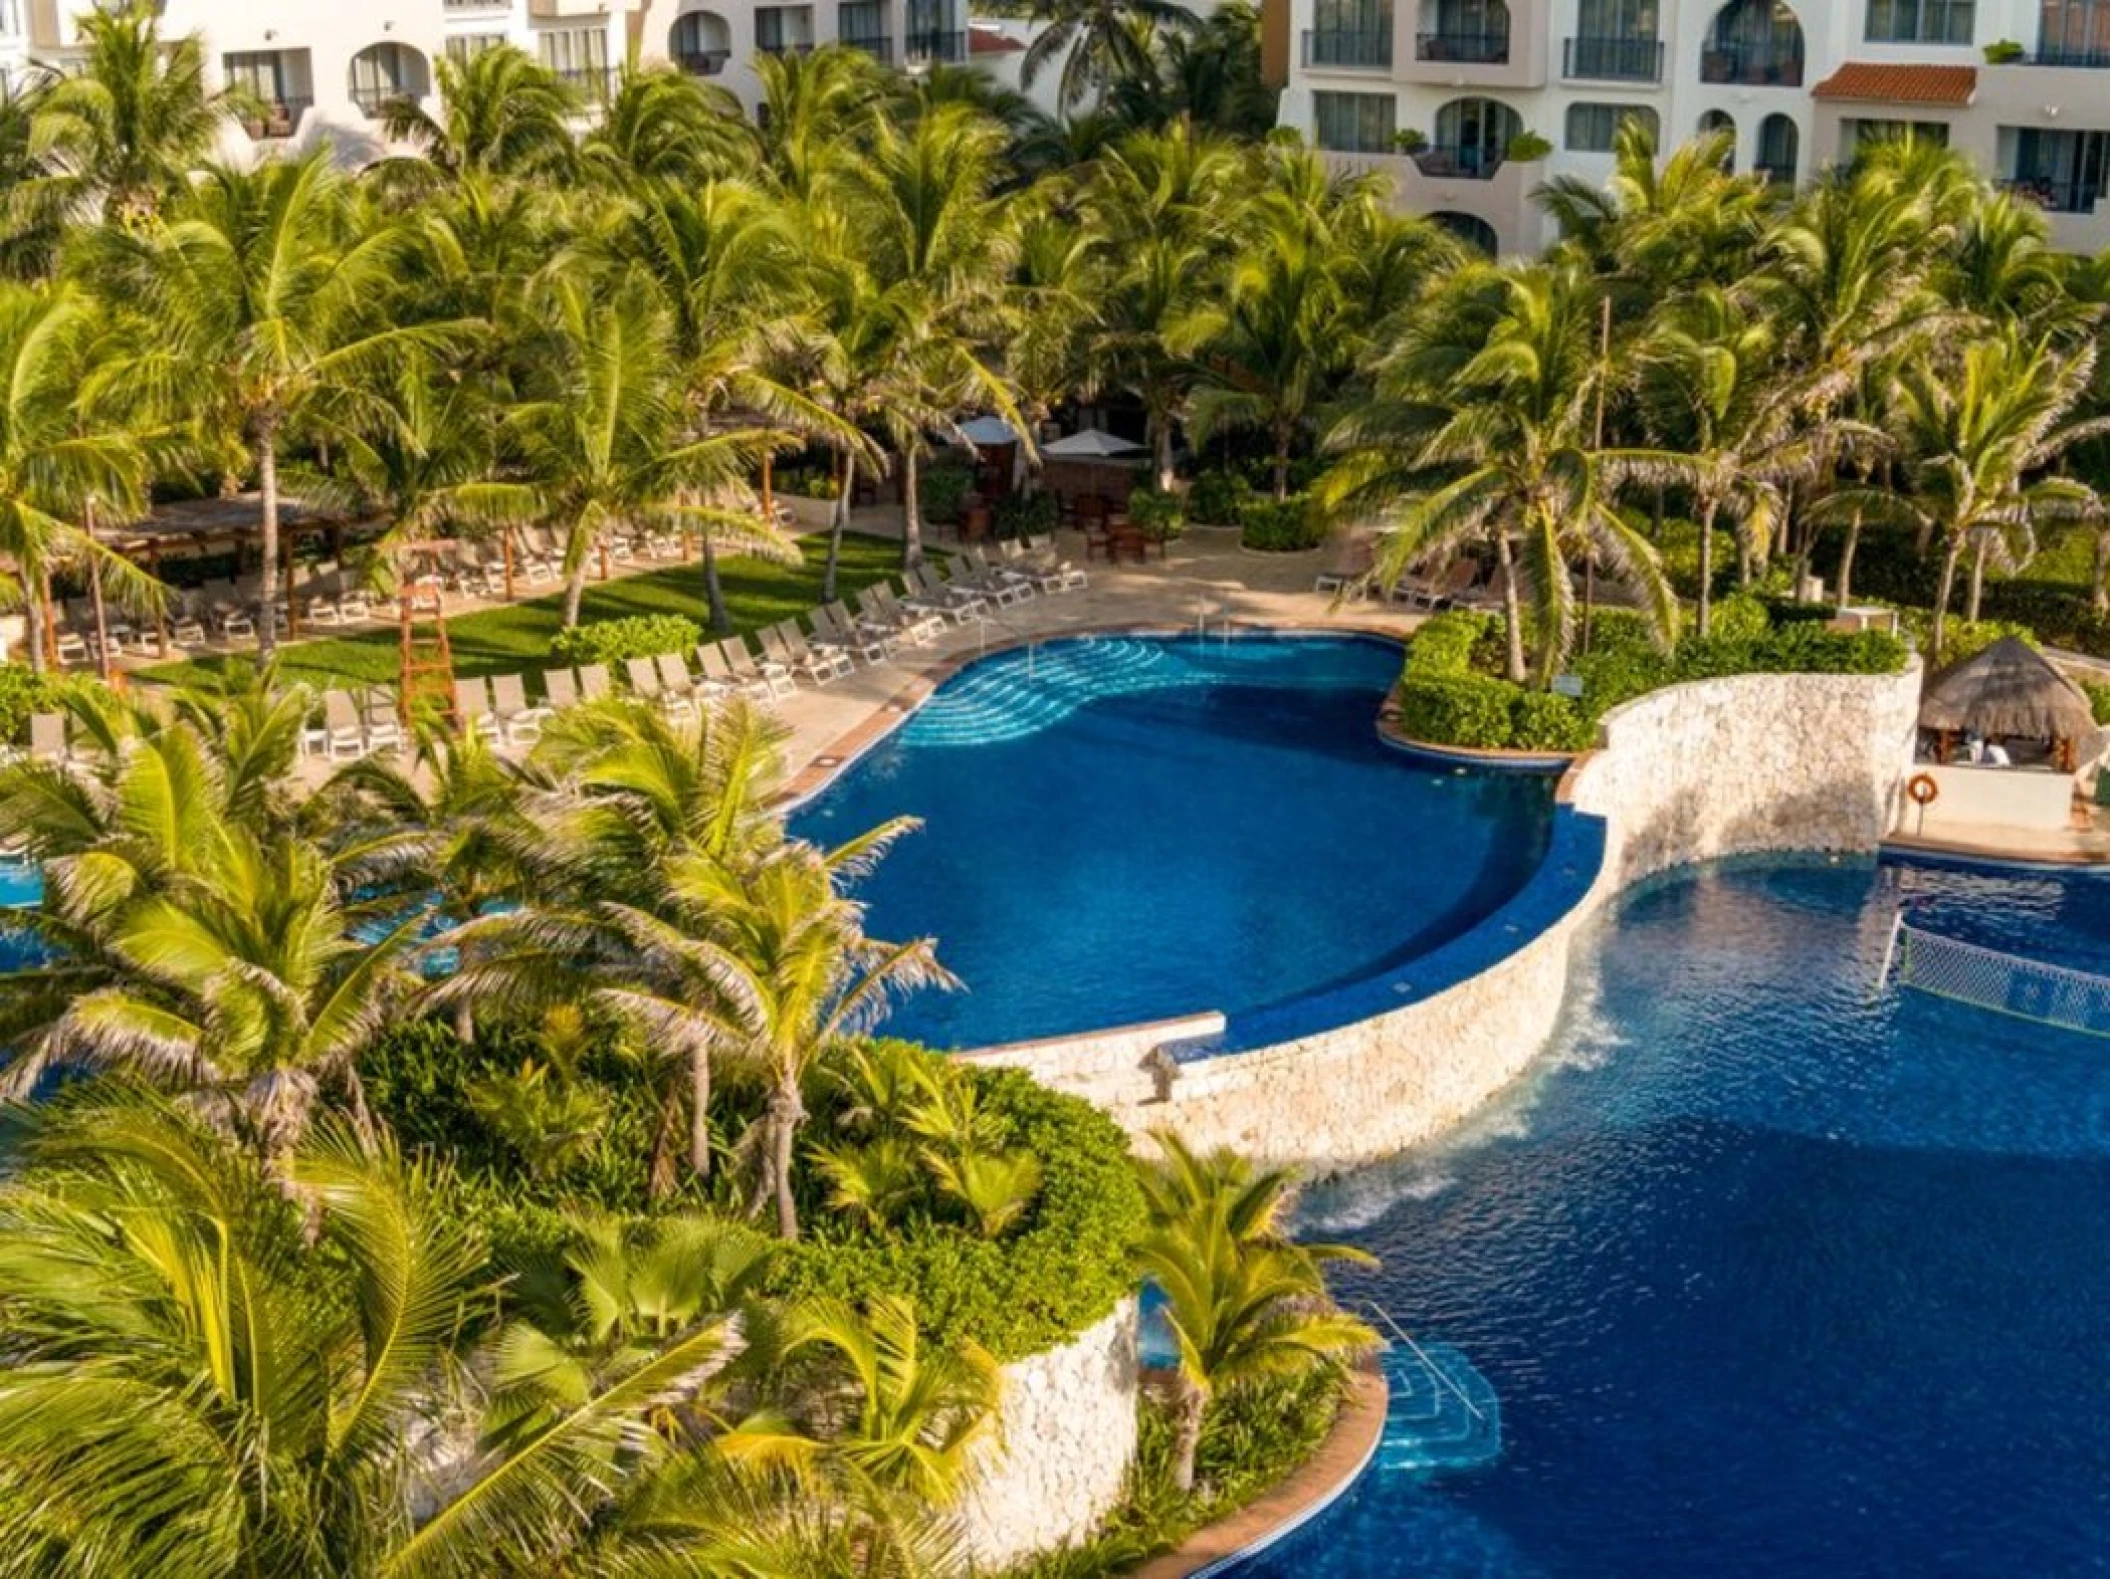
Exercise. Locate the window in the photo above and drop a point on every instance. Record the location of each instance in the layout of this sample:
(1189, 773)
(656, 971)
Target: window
(1358, 123)
(1591, 127)
(10, 18)
(2074, 33)
(1778, 142)
(861, 19)
(257, 76)
(575, 51)
(1920, 21)
(465, 47)
(1629, 19)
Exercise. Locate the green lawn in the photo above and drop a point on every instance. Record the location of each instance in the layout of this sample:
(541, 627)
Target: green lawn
(516, 639)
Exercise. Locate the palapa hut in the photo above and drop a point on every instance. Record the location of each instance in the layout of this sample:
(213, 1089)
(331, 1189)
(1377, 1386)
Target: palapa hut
(2008, 692)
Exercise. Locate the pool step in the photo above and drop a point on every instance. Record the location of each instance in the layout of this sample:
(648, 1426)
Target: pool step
(1016, 694)
(1443, 1414)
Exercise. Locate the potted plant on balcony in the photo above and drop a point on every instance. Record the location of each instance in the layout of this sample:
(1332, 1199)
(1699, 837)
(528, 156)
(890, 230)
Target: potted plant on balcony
(2003, 52)
(1525, 147)
(1410, 140)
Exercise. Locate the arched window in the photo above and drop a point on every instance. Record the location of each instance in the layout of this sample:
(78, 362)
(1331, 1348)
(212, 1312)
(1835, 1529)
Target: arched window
(1721, 121)
(700, 43)
(1472, 137)
(1758, 42)
(385, 74)
(1470, 229)
(1778, 142)
(1592, 127)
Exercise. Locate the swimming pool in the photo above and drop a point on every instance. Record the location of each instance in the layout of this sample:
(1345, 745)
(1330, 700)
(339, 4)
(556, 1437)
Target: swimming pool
(1771, 1276)
(1120, 829)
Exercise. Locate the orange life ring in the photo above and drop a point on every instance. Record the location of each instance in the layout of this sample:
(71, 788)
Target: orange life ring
(1922, 789)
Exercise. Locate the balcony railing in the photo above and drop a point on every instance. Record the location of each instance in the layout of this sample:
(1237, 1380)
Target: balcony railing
(1468, 163)
(1348, 48)
(1758, 67)
(374, 102)
(785, 46)
(279, 119)
(878, 46)
(2058, 55)
(1483, 49)
(927, 46)
(2059, 196)
(702, 62)
(1613, 59)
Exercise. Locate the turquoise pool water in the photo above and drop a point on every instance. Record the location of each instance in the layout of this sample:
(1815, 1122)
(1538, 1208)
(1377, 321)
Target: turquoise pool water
(1772, 1275)
(1125, 829)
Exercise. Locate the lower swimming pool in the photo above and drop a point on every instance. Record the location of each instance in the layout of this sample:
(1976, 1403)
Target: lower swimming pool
(1131, 828)
(1773, 1276)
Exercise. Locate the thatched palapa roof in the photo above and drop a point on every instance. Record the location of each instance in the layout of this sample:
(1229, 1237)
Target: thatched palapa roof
(2008, 689)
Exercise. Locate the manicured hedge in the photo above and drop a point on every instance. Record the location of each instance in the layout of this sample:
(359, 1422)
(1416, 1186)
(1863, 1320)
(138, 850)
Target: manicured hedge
(611, 641)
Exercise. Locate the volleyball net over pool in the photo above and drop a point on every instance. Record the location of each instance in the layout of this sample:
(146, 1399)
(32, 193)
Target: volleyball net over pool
(1991, 979)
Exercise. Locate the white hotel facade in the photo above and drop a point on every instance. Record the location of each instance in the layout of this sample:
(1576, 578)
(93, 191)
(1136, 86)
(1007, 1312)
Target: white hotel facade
(1796, 81)
(328, 70)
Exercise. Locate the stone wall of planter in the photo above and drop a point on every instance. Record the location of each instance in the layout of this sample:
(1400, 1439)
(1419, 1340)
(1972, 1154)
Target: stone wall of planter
(1056, 1466)
(1694, 772)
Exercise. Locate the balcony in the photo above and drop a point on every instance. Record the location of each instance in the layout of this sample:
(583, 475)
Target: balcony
(922, 48)
(2055, 55)
(1753, 66)
(277, 121)
(1612, 59)
(877, 45)
(702, 62)
(375, 101)
(1348, 49)
(2054, 195)
(1481, 49)
(1467, 163)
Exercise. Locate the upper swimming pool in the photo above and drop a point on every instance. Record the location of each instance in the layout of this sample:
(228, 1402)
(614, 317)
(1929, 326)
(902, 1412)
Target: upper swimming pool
(1119, 829)
(1772, 1274)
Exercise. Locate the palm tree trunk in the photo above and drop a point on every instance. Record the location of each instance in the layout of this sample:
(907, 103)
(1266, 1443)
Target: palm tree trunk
(911, 511)
(1282, 442)
(700, 1113)
(713, 592)
(575, 587)
(1985, 546)
(102, 611)
(36, 600)
(2099, 579)
(838, 518)
(465, 1023)
(1707, 511)
(1161, 448)
(267, 543)
(1949, 558)
(786, 1113)
(1846, 558)
(1512, 606)
(1188, 1410)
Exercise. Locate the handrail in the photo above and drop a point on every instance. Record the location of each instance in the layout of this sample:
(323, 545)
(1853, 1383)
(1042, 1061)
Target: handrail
(1422, 1355)
(986, 617)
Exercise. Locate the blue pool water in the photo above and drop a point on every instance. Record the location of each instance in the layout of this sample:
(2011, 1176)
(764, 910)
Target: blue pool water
(19, 888)
(1123, 829)
(1772, 1276)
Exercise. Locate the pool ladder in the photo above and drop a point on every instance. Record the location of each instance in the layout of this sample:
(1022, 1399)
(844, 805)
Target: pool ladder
(985, 618)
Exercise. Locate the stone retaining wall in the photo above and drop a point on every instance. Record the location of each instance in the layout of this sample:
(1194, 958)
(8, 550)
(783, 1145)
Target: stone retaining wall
(1068, 1431)
(1718, 767)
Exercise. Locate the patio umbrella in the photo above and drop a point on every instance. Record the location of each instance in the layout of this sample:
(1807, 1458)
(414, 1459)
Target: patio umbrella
(2008, 689)
(1092, 443)
(989, 430)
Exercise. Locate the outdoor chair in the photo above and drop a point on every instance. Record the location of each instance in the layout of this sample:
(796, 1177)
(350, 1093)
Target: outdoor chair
(594, 683)
(834, 622)
(47, 737)
(343, 732)
(561, 686)
(472, 707)
(774, 677)
(677, 687)
(820, 665)
(384, 720)
(820, 644)
(718, 674)
(521, 721)
(643, 676)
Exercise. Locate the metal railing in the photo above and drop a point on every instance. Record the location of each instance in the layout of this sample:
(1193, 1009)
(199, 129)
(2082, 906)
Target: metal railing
(374, 102)
(1353, 48)
(1486, 49)
(1613, 59)
(785, 46)
(2059, 196)
(2067, 55)
(280, 118)
(927, 46)
(877, 45)
(1758, 66)
(702, 62)
(1473, 163)
(1421, 1354)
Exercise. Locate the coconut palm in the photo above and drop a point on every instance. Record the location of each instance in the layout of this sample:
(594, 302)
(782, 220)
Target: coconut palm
(818, 109)
(1101, 44)
(122, 137)
(664, 125)
(1243, 1305)
(502, 114)
(1482, 430)
(607, 446)
(266, 292)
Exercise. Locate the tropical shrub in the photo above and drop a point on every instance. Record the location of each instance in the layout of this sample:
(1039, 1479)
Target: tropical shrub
(2098, 700)
(22, 692)
(1024, 514)
(1961, 639)
(639, 636)
(1679, 544)
(1218, 498)
(1542, 721)
(2003, 52)
(942, 490)
(1466, 710)
(1281, 526)
(1158, 515)
(1526, 146)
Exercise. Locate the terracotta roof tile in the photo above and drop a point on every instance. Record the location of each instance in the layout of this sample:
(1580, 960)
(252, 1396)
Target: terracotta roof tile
(1885, 84)
(987, 41)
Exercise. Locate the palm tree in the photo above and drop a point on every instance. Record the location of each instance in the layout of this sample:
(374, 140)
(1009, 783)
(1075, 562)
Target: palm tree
(124, 134)
(817, 112)
(922, 212)
(264, 289)
(1244, 1304)
(1976, 429)
(1102, 44)
(665, 126)
(503, 114)
(608, 445)
(66, 449)
(1481, 429)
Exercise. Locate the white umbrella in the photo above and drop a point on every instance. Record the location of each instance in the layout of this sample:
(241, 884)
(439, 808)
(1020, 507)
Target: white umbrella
(989, 430)
(1092, 442)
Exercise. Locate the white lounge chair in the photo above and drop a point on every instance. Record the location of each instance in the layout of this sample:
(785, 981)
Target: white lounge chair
(561, 686)
(472, 706)
(521, 721)
(343, 731)
(594, 682)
